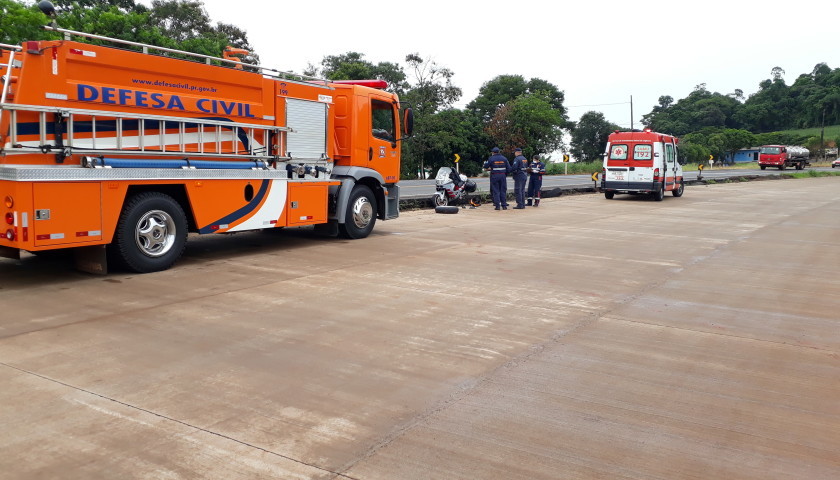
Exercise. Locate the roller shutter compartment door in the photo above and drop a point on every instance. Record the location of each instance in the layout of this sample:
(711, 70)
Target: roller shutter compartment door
(308, 119)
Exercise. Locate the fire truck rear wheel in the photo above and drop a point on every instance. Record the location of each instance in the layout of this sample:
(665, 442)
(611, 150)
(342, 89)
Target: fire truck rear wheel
(763, 166)
(151, 233)
(361, 214)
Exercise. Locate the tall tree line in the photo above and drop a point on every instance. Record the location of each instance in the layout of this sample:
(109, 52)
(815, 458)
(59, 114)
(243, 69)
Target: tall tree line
(813, 100)
(510, 110)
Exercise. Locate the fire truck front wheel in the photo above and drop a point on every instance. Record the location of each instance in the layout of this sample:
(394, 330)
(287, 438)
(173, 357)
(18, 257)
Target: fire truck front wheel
(361, 213)
(151, 233)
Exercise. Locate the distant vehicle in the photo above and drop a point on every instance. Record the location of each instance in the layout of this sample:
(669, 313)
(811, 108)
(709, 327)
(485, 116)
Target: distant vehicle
(835, 163)
(642, 162)
(783, 156)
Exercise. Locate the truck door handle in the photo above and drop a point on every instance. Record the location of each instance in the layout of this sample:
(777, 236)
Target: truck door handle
(370, 153)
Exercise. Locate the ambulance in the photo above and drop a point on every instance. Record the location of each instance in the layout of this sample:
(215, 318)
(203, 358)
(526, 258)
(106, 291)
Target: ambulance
(642, 162)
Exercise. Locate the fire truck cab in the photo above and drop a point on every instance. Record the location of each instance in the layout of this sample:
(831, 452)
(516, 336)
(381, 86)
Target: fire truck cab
(642, 162)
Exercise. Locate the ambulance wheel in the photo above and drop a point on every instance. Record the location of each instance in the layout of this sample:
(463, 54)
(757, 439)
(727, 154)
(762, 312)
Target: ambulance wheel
(659, 194)
(609, 195)
(677, 192)
(151, 233)
(361, 214)
(446, 209)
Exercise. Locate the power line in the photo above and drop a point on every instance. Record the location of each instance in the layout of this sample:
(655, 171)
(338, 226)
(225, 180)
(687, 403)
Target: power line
(597, 105)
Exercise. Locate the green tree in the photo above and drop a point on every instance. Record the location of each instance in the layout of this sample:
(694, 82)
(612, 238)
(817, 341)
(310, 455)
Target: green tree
(504, 88)
(589, 136)
(430, 92)
(125, 6)
(432, 89)
(693, 152)
(353, 66)
(187, 23)
(176, 24)
(732, 140)
(769, 109)
(446, 133)
(700, 109)
(19, 23)
(529, 121)
(779, 138)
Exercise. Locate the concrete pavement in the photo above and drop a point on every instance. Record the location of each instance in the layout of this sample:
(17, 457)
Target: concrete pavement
(587, 338)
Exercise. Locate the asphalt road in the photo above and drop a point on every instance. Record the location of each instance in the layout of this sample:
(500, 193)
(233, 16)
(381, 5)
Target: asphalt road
(411, 189)
(697, 337)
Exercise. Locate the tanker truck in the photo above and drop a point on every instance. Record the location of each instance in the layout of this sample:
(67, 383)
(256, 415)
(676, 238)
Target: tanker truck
(783, 156)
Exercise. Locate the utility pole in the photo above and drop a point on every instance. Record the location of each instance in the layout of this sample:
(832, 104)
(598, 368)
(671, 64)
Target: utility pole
(822, 136)
(631, 113)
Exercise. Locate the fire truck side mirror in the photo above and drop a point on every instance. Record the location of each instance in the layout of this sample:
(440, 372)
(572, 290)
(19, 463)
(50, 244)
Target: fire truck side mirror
(408, 122)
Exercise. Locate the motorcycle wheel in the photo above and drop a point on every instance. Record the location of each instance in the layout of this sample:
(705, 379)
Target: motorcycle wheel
(440, 200)
(447, 210)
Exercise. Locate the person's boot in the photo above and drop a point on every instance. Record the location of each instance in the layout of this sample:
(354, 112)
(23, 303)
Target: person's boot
(537, 202)
(529, 202)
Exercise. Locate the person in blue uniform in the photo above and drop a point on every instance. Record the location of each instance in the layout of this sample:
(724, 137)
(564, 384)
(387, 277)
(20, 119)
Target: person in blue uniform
(499, 167)
(536, 171)
(520, 164)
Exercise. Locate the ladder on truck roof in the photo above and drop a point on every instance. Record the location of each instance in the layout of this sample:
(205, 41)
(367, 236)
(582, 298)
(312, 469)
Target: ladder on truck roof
(105, 133)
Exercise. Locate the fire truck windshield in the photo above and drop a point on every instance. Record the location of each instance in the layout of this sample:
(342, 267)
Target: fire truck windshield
(771, 150)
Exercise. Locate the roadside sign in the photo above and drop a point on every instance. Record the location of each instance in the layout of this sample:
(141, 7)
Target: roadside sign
(457, 158)
(565, 158)
(595, 177)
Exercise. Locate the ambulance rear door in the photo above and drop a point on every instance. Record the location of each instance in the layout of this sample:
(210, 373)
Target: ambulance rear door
(640, 165)
(617, 166)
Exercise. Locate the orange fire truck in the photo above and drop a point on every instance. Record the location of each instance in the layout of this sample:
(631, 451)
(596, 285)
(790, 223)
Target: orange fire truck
(118, 154)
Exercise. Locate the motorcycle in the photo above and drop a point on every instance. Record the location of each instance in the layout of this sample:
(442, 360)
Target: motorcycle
(452, 188)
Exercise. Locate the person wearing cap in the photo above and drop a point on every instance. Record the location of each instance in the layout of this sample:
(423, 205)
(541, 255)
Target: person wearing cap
(536, 171)
(498, 166)
(520, 164)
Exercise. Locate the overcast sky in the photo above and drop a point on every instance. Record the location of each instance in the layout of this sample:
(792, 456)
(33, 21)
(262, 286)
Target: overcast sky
(597, 52)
